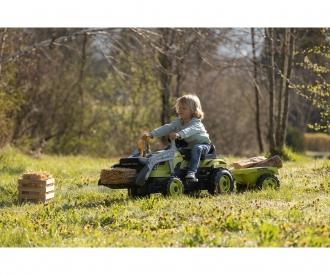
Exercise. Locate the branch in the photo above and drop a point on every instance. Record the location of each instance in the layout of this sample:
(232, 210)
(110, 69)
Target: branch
(47, 43)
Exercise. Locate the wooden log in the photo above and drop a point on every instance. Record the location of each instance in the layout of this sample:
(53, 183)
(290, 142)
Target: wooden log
(31, 182)
(246, 163)
(44, 188)
(260, 161)
(117, 175)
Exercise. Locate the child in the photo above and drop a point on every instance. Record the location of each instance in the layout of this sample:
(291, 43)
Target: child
(188, 127)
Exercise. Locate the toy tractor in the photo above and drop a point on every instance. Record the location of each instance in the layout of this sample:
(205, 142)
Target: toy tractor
(164, 171)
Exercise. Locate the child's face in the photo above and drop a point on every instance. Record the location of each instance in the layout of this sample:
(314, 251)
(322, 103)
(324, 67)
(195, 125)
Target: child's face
(184, 112)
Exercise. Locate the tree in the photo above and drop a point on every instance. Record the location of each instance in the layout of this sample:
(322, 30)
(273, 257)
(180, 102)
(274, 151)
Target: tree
(315, 62)
(280, 50)
(270, 37)
(257, 92)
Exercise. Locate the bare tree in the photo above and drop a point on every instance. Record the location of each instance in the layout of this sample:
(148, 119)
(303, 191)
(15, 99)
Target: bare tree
(165, 58)
(270, 40)
(257, 92)
(288, 62)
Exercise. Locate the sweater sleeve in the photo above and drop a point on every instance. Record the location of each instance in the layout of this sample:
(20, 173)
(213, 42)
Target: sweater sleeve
(165, 129)
(195, 128)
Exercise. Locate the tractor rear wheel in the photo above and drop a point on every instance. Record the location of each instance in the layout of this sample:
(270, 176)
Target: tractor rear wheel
(223, 183)
(174, 187)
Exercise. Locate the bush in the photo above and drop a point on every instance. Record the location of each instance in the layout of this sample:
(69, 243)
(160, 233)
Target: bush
(295, 139)
(317, 142)
(289, 155)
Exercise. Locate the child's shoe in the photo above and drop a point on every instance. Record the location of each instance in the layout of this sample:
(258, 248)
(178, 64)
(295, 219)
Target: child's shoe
(191, 176)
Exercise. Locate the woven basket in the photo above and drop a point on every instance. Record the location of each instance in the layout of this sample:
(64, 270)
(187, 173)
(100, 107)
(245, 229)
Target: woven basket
(117, 175)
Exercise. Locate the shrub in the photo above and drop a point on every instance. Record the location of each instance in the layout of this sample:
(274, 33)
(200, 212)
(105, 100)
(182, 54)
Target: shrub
(289, 155)
(295, 139)
(317, 142)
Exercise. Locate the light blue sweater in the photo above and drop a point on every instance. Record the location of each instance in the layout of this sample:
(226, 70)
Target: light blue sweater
(192, 132)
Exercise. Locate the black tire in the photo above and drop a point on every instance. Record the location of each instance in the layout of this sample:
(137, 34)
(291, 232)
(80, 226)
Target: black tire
(223, 183)
(174, 187)
(268, 181)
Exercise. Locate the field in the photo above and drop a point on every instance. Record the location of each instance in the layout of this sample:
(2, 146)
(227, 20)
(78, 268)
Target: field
(85, 215)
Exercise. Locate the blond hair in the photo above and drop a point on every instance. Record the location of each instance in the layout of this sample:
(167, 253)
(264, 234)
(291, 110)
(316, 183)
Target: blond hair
(193, 102)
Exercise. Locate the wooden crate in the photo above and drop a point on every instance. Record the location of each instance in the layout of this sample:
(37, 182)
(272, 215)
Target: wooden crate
(36, 190)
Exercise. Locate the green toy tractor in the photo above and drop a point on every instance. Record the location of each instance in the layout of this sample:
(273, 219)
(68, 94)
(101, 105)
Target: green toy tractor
(164, 172)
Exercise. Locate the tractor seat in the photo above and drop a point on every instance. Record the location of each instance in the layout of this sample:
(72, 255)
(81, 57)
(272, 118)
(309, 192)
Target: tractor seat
(185, 152)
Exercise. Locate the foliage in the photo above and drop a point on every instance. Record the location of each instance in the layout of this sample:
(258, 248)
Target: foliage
(316, 61)
(84, 215)
(72, 91)
(288, 154)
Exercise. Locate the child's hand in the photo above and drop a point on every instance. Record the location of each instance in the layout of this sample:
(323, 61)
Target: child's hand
(146, 136)
(173, 135)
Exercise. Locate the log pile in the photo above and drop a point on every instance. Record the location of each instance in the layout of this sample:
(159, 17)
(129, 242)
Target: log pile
(36, 187)
(260, 161)
(117, 175)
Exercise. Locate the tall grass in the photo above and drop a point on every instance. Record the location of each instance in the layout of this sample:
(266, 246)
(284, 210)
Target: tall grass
(83, 214)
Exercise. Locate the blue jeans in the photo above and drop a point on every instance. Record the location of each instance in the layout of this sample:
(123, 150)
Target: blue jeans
(195, 155)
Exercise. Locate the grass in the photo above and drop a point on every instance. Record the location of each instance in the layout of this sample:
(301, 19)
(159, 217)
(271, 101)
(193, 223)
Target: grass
(85, 215)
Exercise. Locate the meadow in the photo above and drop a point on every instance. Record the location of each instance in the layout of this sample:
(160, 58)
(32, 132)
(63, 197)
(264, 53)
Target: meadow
(83, 214)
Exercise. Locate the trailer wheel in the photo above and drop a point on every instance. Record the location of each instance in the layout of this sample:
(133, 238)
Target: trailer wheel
(223, 183)
(268, 181)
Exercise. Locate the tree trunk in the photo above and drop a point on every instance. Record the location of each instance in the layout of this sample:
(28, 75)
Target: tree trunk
(165, 60)
(259, 137)
(287, 88)
(80, 83)
(282, 90)
(271, 74)
(2, 47)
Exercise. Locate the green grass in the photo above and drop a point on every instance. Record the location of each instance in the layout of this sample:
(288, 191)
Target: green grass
(85, 215)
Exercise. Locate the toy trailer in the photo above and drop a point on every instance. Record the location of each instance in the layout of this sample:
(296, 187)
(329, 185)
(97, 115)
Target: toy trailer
(255, 177)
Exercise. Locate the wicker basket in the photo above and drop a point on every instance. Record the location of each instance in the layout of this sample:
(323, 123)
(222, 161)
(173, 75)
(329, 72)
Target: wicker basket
(117, 175)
